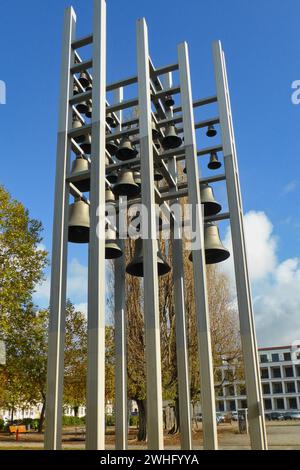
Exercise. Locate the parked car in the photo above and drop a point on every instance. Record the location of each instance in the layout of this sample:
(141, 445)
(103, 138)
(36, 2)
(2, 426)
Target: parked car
(234, 416)
(292, 415)
(220, 418)
(275, 416)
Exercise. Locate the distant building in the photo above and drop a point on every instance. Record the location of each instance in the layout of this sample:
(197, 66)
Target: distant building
(280, 378)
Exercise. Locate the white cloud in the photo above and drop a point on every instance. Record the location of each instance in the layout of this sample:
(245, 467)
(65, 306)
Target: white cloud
(81, 308)
(290, 187)
(275, 284)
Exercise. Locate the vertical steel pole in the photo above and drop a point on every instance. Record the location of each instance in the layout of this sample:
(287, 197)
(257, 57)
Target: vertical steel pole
(247, 327)
(95, 426)
(202, 313)
(180, 319)
(121, 417)
(151, 301)
(56, 339)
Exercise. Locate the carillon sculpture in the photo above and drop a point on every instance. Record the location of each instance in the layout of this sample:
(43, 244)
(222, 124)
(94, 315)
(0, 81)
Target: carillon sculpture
(111, 158)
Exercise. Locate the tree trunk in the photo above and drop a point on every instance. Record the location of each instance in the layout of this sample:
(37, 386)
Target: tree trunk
(42, 417)
(176, 426)
(12, 415)
(76, 410)
(142, 430)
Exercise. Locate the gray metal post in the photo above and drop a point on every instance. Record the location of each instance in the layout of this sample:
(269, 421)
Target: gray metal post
(95, 426)
(151, 302)
(203, 324)
(180, 322)
(121, 418)
(247, 327)
(56, 339)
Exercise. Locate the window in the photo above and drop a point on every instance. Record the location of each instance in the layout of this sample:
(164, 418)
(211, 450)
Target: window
(298, 385)
(218, 375)
(275, 357)
(266, 389)
(263, 358)
(290, 387)
(264, 373)
(279, 403)
(276, 373)
(292, 403)
(244, 404)
(289, 371)
(221, 406)
(287, 356)
(220, 392)
(277, 387)
(232, 405)
(298, 371)
(241, 390)
(268, 403)
(229, 376)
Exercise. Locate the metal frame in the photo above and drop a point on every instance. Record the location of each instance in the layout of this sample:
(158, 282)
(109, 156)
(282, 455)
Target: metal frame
(147, 79)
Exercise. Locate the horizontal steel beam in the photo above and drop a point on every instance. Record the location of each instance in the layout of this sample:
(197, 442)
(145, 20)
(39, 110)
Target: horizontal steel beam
(197, 103)
(82, 66)
(81, 42)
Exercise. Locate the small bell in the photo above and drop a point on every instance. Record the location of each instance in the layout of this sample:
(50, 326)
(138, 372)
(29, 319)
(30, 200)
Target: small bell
(89, 87)
(155, 132)
(77, 124)
(157, 175)
(137, 178)
(171, 139)
(111, 147)
(89, 113)
(214, 163)
(110, 198)
(84, 79)
(126, 186)
(126, 151)
(86, 146)
(79, 222)
(169, 101)
(211, 131)
(83, 107)
(76, 90)
(112, 176)
(215, 252)
(78, 166)
(112, 249)
(211, 206)
(111, 121)
(136, 265)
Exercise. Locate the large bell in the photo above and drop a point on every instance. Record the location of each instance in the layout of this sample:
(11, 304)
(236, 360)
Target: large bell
(211, 131)
(111, 121)
(214, 163)
(86, 146)
(126, 186)
(126, 151)
(112, 176)
(215, 252)
(79, 165)
(211, 206)
(84, 79)
(112, 249)
(76, 89)
(77, 124)
(136, 265)
(109, 196)
(171, 139)
(137, 178)
(79, 222)
(155, 132)
(112, 148)
(157, 175)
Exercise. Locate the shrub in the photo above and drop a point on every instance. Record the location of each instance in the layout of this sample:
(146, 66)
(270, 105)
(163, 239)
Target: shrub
(133, 420)
(110, 420)
(73, 421)
(1, 424)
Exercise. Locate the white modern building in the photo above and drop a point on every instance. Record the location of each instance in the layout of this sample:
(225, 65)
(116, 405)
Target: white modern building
(280, 376)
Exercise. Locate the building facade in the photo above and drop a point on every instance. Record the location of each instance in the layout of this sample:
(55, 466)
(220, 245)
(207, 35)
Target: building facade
(280, 378)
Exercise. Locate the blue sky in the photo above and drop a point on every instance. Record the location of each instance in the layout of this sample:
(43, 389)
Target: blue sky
(261, 42)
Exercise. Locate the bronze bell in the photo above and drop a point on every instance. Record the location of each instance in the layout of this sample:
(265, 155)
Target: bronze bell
(79, 165)
(111, 121)
(211, 131)
(83, 107)
(211, 206)
(214, 163)
(86, 146)
(157, 175)
(126, 151)
(169, 101)
(215, 252)
(136, 265)
(126, 186)
(89, 112)
(155, 132)
(84, 79)
(112, 249)
(77, 124)
(76, 89)
(137, 178)
(111, 147)
(79, 222)
(109, 196)
(171, 139)
(112, 176)
(89, 87)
